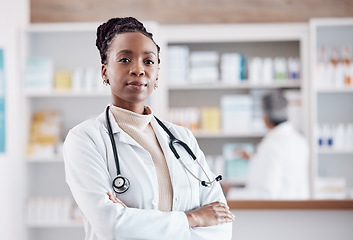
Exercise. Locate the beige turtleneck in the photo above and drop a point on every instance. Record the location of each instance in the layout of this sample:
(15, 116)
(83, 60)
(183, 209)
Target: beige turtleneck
(139, 127)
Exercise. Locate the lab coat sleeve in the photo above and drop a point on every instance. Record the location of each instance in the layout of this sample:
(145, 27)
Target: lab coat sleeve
(209, 195)
(89, 181)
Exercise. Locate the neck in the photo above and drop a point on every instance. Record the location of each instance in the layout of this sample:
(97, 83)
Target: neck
(268, 124)
(137, 108)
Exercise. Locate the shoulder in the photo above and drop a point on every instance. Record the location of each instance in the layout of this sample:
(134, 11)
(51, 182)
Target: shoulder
(88, 129)
(284, 136)
(87, 126)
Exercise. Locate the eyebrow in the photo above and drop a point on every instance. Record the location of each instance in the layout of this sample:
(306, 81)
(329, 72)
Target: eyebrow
(126, 51)
(149, 52)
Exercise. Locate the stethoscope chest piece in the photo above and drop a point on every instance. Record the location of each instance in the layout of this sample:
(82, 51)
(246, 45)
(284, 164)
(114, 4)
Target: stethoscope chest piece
(121, 184)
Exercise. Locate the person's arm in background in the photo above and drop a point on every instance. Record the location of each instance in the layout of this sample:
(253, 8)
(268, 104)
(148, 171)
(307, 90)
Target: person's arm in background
(89, 180)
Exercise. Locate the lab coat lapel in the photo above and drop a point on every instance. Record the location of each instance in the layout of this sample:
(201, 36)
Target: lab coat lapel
(122, 136)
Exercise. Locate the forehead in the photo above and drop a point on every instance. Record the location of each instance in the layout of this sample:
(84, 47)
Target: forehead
(134, 41)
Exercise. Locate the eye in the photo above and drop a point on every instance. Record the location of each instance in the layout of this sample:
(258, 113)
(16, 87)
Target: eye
(124, 60)
(149, 62)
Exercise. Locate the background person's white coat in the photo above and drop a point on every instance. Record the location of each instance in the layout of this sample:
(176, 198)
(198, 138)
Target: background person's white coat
(280, 167)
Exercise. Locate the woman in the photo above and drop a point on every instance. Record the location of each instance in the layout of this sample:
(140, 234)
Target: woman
(161, 199)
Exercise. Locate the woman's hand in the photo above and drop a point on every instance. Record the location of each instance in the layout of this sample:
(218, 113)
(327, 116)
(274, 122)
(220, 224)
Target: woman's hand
(115, 199)
(209, 215)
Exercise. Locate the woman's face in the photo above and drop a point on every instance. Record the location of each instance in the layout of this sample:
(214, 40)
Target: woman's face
(132, 69)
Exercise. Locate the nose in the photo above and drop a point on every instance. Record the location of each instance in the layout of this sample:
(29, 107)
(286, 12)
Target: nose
(137, 69)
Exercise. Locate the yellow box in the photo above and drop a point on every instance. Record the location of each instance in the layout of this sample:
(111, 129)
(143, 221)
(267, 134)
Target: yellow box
(210, 119)
(62, 80)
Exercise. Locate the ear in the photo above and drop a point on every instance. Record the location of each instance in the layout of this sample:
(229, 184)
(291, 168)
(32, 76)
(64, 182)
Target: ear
(104, 72)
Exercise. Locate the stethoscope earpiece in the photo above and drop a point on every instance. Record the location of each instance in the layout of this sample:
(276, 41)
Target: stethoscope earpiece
(207, 184)
(219, 178)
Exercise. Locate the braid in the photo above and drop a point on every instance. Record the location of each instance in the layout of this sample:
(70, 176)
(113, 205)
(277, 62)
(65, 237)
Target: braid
(107, 31)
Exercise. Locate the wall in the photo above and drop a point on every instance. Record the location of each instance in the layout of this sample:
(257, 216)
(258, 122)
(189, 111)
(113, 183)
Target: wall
(189, 11)
(13, 15)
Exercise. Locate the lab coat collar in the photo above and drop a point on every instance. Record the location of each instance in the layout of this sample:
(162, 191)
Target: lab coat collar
(161, 135)
(123, 136)
(280, 128)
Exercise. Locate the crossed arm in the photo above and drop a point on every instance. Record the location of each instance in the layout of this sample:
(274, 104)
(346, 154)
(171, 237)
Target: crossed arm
(204, 216)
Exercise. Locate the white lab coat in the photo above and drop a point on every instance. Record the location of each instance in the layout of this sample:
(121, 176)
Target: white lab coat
(279, 169)
(90, 169)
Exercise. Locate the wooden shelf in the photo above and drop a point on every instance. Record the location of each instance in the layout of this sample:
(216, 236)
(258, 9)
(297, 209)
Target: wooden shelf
(53, 159)
(336, 151)
(335, 90)
(64, 94)
(291, 205)
(243, 85)
(55, 225)
(219, 134)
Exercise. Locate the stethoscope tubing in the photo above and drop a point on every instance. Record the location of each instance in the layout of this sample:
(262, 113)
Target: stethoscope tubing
(173, 140)
(112, 140)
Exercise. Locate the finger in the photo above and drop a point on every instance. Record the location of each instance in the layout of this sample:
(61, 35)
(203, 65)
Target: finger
(113, 198)
(110, 196)
(230, 216)
(121, 202)
(223, 212)
(220, 206)
(225, 217)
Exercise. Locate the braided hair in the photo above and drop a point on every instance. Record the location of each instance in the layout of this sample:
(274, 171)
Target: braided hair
(107, 31)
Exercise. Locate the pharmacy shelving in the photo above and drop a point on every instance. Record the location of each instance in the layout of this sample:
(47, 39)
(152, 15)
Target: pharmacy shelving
(263, 40)
(331, 101)
(252, 40)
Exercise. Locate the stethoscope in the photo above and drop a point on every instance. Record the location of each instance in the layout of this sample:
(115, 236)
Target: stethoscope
(121, 184)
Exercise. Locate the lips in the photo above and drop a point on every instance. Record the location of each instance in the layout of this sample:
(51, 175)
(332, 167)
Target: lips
(136, 85)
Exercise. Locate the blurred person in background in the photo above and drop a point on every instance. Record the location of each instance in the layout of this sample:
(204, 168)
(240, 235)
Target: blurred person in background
(279, 168)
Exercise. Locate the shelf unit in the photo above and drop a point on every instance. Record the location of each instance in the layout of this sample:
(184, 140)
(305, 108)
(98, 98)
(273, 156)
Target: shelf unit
(252, 40)
(330, 104)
